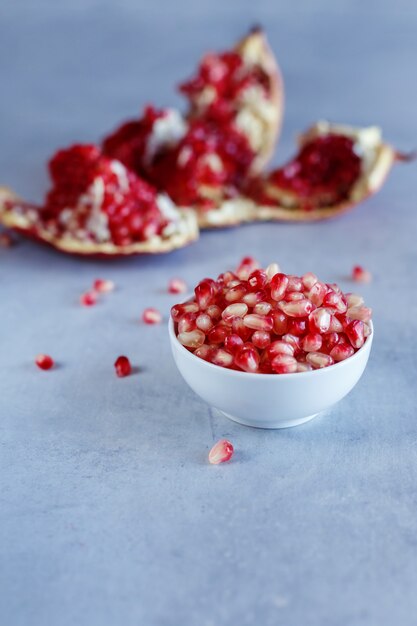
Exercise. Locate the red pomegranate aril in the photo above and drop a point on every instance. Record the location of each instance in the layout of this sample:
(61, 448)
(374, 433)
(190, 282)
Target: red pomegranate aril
(193, 339)
(258, 322)
(218, 333)
(284, 364)
(304, 367)
(180, 309)
(235, 294)
(294, 283)
(187, 322)
(233, 342)
(354, 299)
(122, 366)
(221, 451)
(271, 270)
(297, 326)
(335, 301)
(362, 313)
(205, 352)
(341, 351)
(204, 293)
(257, 280)
(319, 321)
(319, 360)
(227, 278)
(214, 311)
(221, 357)
(355, 333)
(280, 347)
(44, 361)
(247, 265)
(317, 293)
(262, 308)
(103, 286)
(177, 285)
(239, 328)
(279, 284)
(253, 297)
(312, 342)
(309, 280)
(204, 322)
(238, 309)
(293, 296)
(361, 275)
(247, 359)
(330, 340)
(89, 298)
(280, 321)
(336, 325)
(366, 329)
(261, 339)
(151, 316)
(293, 340)
(298, 308)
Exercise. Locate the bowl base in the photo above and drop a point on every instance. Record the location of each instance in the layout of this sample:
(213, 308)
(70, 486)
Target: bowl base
(268, 424)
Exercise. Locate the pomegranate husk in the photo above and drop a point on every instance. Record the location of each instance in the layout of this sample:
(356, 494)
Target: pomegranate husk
(21, 223)
(369, 182)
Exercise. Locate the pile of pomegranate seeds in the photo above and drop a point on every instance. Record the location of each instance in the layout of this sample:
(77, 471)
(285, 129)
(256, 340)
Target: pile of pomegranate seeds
(122, 366)
(44, 361)
(221, 451)
(361, 275)
(262, 320)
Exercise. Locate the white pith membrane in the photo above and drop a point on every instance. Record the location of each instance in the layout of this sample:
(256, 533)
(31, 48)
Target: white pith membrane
(95, 238)
(377, 158)
(167, 131)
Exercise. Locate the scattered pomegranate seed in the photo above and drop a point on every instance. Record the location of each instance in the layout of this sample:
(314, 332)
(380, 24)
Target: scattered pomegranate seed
(177, 285)
(221, 451)
(89, 298)
(151, 316)
(6, 240)
(122, 366)
(44, 361)
(361, 275)
(264, 321)
(103, 286)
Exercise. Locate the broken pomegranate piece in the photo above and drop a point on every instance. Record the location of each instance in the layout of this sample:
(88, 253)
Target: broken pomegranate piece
(268, 322)
(336, 167)
(97, 206)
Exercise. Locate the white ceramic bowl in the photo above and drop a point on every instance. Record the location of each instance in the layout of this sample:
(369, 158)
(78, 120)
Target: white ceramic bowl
(269, 400)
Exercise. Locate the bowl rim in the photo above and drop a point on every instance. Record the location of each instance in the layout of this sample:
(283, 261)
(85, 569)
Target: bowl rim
(262, 376)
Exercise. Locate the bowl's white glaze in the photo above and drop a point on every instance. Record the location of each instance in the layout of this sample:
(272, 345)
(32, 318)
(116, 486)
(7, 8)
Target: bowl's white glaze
(269, 400)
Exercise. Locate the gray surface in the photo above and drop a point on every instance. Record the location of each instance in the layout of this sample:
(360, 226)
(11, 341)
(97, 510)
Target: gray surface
(109, 512)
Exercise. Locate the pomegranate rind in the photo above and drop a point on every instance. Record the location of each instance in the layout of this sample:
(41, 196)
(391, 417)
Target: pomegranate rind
(377, 157)
(25, 222)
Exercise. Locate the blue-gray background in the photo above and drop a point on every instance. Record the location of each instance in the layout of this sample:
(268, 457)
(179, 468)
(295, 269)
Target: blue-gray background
(109, 512)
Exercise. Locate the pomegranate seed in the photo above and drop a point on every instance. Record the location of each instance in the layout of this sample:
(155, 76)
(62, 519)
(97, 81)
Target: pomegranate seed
(6, 240)
(294, 283)
(262, 308)
(353, 299)
(103, 286)
(151, 316)
(253, 297)
(355, 333)
(247, 359)
(218, 333)
(271, 270)
(187, 322)
(341, 351)
(239, 328)
(336, 325)
(180, 309)
(333, 287)
(293, 340)
(312, 342)
(122, 366)
(89, 298)
(193, 339)
(298, 308)
(233, 342)
(317, 293)
(335, 301)
(361, 275)
(44, 361)
(204, 322)
(319, 360)
(284, 364)
(214, 311)
(261, 339)
(362, 313)
(366, 329)
(257, 280)
(227, 278)
(238, 309)
(177, 285)
(293, 296)
(319, 321)
(279, 284)
(309, 280)
(204, 352)
(297, 326)
(280, 322)
(247, 265)
(222, 357)
(330, 340)
(235, 294)
(221, 451)
(258, 322)
(204, 293)
(280, 347)
(304, 367)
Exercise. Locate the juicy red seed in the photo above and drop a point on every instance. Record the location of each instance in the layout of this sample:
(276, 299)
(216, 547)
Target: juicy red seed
(335, 301)
(280, 347)
(257, 280)
(309, 280)
(247, 265)
(258, 322)
(253, 297)
(312, 342)
(317, 293)
(193, 339)
(177, 285)
(280, 322)
(151, 316)
(297, 326)
(205, 293)
(218, 333)
(354, 300)
(330, 340)
(44, 361)
(239, 328)
(294, 283)
(179, 309)
(187, 322)
(271, 270)
(304, 367)
(233, 342)
(204, 322)
(355, 333)
(362, 313)
(238, 309)
(293, 340)
(247, 359)
(319, 360)
(284, 364)
(298, 308)
(341, 351)
(204, 352)
(319, 321)
(214, 311)
(279, 284)
(122, 366)
(221, 357)
(361, 275)
(235, 294)
(103, 286)
(89, 298)
(221, 451)
(262, 308)
(292, 296)
(261, 339)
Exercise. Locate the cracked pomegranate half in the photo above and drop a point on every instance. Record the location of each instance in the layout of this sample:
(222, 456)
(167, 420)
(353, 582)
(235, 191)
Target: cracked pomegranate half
(336, 167)
(97, 206)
